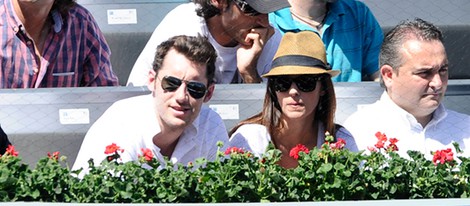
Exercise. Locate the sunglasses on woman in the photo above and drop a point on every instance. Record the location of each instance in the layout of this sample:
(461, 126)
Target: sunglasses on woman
(197, 90)
(246, 8)
(305, 83)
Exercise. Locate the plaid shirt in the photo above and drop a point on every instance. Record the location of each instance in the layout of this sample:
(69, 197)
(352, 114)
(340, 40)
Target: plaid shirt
(75, 53)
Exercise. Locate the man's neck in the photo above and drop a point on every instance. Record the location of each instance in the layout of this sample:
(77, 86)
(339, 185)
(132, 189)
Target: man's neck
(311, 9)
(32, 14)
(167, 140)
(424, 120)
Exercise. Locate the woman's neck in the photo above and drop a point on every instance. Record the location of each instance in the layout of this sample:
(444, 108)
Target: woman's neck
(297, 133)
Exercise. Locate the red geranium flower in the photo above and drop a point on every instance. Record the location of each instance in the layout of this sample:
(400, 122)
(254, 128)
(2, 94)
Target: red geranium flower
(54, 156)
(381, 143)
(234, 150)
(146, 154)
(294, 152)
(443, 156)
(339, 144)
(372, 149)
(392, 146)
(113, 148)
(11, 151)
(381, 139)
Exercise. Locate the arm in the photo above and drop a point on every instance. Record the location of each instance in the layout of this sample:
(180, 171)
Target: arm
(182, 20)
(248, 54)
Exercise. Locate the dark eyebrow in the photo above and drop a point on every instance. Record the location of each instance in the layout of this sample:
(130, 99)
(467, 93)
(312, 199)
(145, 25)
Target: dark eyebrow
(446, 65)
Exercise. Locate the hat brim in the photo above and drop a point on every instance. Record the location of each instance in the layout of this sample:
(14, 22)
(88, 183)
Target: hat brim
(299, 70)
(267, 6)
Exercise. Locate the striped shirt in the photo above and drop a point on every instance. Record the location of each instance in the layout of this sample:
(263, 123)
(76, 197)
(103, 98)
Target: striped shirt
(75, 53)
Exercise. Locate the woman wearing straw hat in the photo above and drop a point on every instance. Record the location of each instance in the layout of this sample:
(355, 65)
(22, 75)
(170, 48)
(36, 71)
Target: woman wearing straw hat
(299, 104)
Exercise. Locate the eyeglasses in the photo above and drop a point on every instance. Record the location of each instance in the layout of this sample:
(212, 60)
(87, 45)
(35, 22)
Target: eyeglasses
(305, 83)
(246, 8)
(196, 89)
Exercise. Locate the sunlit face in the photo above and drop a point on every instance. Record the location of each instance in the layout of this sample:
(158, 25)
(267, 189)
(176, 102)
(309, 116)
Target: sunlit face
(297, 105)
(177, 109)
(421, 82)
(238, 25)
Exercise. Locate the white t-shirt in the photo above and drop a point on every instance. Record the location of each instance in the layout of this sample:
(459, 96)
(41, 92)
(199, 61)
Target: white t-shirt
(183, 20)
(256, 138)
(131, 123)
(386, 117)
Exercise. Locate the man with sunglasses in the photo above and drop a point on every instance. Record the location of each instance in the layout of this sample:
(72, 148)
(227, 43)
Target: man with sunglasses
(171, 121)
(238, 29)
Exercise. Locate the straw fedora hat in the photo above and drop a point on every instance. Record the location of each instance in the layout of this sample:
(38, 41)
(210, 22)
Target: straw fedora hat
(300, 53)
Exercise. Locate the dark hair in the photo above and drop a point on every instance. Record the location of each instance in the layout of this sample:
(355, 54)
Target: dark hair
(416, 29)
(197, 49)
(63, 6)
(270, 115)
(205, 9)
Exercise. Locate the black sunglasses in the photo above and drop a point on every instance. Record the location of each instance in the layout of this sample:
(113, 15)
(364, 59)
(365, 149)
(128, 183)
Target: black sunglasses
(246, 8)
(305, 83)
(196, 89)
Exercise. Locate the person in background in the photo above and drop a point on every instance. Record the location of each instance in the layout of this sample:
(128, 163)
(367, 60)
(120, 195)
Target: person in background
(350, 32)
(171, 121)
(299, 104)
(414, 71)
(238, 29)
(52, 43)
(4, 142)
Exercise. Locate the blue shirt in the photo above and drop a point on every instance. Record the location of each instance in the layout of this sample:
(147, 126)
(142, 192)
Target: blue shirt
(351, 34)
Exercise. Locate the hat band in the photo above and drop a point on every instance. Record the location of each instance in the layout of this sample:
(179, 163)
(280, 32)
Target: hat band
(298, 60)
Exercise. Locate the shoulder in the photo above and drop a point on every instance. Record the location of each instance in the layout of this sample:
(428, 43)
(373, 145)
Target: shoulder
(183, 11)
(134, 101)
(210, 121)
(181, 20)
(457, 118)
(352, 4)
(80, 12)
(344, 134)
(357, 10)
(252, 128)
(207, 113)
(252, 137)
(132, 106)
(364, 111)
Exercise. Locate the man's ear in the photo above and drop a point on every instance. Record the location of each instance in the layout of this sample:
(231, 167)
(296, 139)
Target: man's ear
(209, 93)
(151, 79)
(386, 71)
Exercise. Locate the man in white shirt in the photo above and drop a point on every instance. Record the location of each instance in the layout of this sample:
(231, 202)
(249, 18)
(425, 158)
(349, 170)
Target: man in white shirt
(414, 72)
(238, 29)
(171, 121)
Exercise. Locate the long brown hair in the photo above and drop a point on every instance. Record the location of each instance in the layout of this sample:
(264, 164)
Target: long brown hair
(271, 113)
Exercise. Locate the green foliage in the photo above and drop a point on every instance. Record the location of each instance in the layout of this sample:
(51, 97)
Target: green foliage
(326, 174)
